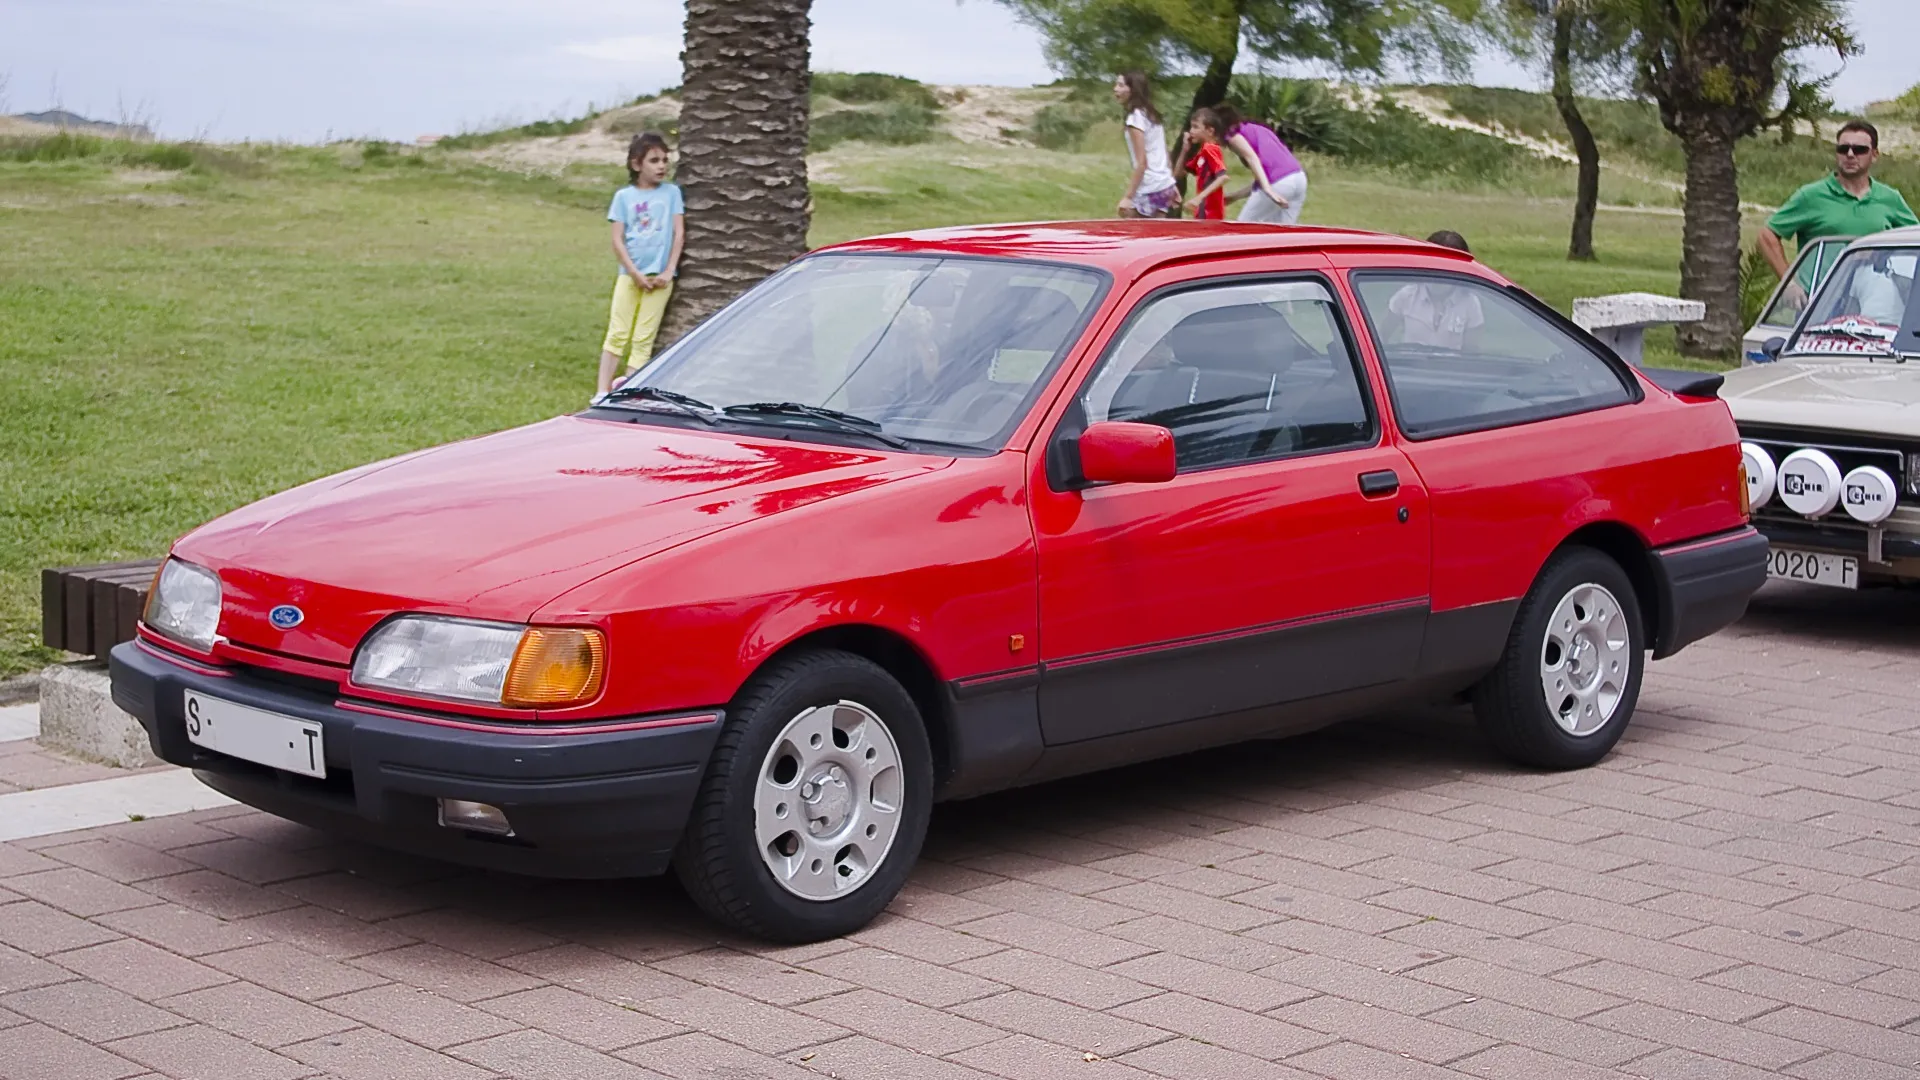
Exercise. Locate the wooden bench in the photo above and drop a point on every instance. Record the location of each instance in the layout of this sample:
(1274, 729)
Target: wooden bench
(90, 609)
(1622, 320)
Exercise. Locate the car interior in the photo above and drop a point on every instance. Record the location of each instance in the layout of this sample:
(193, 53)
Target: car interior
(1514, 364)
(1238, 382)
(988, 356)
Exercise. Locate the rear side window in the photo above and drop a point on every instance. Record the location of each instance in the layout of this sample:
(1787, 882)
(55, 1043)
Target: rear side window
(1238, 372)
(1461, 355)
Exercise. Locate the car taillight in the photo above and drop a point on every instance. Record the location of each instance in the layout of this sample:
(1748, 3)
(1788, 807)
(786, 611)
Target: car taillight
(1746, 496)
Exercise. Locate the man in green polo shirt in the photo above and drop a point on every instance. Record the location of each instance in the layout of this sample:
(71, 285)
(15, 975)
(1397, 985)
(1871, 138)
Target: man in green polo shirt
(1849, 202)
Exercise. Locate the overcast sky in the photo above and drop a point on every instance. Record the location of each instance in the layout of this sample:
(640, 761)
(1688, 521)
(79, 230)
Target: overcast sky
(305, 70)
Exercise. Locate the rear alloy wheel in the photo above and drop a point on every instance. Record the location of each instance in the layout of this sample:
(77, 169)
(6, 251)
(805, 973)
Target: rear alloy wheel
(815, 802)
(1566, 686)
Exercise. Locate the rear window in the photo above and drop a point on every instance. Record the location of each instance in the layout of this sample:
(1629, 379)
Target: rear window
(1462, 355)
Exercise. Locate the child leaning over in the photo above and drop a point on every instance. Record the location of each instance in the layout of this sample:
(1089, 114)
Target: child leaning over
(649, 230)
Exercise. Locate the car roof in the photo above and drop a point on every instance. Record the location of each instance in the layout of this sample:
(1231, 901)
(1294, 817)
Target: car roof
(1904, 236)
(1130, 247)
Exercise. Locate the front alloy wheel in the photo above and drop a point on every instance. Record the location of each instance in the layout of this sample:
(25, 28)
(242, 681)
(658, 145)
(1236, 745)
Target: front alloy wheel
(828, 806)
(815, 800)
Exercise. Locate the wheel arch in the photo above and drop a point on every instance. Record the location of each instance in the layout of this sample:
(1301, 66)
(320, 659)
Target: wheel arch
(899, 657)
(1634, 555)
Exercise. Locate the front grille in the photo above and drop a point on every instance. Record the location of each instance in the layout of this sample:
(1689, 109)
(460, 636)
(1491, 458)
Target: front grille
(320, 689)
(1848, 450)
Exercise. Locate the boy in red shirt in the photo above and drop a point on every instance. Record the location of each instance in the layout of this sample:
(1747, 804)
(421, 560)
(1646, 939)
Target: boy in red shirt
(1208, 164)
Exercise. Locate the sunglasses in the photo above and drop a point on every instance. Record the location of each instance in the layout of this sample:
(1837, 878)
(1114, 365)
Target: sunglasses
(1853, 149)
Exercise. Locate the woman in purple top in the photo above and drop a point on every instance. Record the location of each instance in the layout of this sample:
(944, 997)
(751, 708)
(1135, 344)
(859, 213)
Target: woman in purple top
(1279, 185)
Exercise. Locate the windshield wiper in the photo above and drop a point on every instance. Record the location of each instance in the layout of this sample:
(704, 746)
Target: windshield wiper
(848, 422)
(692, 406)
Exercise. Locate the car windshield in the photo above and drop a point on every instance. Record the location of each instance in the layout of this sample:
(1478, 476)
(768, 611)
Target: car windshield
(940, 350)
(1866, 308)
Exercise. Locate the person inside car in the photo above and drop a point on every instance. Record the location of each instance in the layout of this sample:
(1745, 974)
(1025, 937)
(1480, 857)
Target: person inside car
(1436, 314)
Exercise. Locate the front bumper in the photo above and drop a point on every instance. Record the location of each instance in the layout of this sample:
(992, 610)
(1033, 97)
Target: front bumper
(594, 804)
(1838, 538)
(1704, 586)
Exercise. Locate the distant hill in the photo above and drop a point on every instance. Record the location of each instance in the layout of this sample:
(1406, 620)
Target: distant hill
(68, 121)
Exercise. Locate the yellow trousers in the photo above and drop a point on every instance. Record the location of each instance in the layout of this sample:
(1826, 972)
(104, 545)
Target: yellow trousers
(634, 321)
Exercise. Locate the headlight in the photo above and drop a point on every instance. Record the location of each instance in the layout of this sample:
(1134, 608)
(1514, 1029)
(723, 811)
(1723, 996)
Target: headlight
(484, 662)
(184, 604)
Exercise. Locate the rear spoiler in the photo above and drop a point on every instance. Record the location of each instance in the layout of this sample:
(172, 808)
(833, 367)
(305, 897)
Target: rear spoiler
(1698, 384)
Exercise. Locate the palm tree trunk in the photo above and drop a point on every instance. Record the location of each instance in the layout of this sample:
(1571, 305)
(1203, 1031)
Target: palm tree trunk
(1710, 241)
(1587, 194)
(743, 150)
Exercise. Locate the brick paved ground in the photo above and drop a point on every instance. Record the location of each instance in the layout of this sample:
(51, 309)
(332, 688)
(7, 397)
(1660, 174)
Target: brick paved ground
(26, 765)
(1735, 893)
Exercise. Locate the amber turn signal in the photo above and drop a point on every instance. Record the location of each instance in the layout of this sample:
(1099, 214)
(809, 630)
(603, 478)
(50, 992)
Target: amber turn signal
(1746, 493)
(556, 666)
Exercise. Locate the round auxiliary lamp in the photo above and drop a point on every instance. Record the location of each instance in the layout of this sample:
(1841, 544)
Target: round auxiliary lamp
(1809, 483)
(1869, 494)
(1761, 474)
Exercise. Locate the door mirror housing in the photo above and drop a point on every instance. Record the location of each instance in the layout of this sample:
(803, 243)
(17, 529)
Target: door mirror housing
(1771, 348)
(1120, 452)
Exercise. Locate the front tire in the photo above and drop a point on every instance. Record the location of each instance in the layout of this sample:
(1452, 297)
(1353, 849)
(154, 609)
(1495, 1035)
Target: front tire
(1565, 689)
(815, 801)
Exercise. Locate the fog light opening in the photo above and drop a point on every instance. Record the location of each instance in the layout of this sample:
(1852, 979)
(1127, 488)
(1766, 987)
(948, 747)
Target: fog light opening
(474, 817)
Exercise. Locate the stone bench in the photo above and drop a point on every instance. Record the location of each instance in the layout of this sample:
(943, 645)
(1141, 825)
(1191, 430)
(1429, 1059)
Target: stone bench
(1622, 320)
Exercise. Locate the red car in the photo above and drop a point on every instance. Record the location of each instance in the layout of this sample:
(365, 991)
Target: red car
(930, 515)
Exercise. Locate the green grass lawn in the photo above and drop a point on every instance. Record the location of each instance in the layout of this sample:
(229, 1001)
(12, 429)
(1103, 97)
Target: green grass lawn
(173, 345)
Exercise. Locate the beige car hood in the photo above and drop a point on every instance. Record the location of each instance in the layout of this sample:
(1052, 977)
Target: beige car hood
(1880, 398)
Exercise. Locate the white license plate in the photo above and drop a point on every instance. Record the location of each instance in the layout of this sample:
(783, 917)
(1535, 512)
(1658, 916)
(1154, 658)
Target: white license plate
(256, 735)
(1814, 568)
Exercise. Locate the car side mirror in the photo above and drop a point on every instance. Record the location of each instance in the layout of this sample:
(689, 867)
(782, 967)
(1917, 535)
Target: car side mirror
(1772, 347)
(1120, 452)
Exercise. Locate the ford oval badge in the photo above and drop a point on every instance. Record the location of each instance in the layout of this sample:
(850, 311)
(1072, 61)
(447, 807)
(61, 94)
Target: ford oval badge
(286, 616)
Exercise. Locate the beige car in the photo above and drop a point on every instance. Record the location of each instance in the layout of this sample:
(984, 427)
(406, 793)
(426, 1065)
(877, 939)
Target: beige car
(1830, 424)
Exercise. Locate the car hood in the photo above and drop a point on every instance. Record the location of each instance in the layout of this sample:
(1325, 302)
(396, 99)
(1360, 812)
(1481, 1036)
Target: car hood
(1882, 398)
(495, 527)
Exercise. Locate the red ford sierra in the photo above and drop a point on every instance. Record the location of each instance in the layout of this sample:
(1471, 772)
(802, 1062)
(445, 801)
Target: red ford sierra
(930, 515)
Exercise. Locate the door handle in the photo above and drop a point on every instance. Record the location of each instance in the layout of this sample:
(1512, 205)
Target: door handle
(1380, 482)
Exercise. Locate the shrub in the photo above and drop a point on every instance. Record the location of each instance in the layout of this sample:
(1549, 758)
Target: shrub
(476, 140)
(1757, 280)
(1905, 107)
(1063, 125)
(870, 87)
(1304, 112)
(898, 123)
(1401, 141)
(126, 153)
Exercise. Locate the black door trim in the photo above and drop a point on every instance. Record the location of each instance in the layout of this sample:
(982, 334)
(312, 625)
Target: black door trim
(1136, 689)
(1414, 603)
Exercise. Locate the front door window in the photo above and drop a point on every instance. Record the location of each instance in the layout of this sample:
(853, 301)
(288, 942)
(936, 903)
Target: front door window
(1238, 373)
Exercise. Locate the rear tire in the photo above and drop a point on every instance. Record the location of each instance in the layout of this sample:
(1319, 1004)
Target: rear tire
(815, 801)
(1565, 689)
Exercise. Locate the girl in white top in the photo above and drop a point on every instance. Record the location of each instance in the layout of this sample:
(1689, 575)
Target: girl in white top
(1150, 191)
